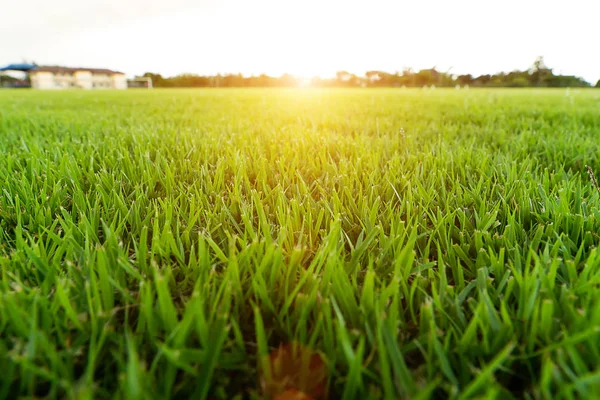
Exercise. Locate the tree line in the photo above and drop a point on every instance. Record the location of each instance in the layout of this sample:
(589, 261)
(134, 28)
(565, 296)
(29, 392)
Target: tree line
(539, 75)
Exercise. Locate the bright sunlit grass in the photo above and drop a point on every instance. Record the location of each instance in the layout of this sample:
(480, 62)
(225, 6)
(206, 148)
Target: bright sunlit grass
(160, 244)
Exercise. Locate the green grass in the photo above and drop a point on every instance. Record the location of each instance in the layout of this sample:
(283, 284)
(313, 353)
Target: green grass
(428, 243)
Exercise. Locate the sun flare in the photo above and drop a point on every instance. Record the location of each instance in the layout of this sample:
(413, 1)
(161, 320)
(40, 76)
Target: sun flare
(304, 82)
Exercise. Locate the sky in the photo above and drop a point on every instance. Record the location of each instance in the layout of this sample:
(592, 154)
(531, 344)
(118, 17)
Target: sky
(304, 38)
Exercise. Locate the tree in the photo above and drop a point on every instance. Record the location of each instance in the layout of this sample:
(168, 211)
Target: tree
(345, 78)
(465, 79)
(539, 72)
(373, 77)
(157, 79)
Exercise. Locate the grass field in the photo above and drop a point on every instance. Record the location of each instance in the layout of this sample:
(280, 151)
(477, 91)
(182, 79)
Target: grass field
(425, 243)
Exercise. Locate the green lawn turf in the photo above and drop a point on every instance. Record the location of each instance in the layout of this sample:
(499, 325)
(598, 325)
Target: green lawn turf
(428, 243)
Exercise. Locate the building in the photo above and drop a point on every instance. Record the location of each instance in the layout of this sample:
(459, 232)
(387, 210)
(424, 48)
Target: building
(19, 81)
(55, 77)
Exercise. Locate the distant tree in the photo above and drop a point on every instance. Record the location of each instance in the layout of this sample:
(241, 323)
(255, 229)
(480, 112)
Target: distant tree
(512, 79)
(157, 79)
(482, 80)
(426, 77)
(373, 77)
(537, 75)
(345, 78)
(598, 83)
(539, 72)
(287, 80)
(464, 79)
(518, 81)
(233, 80)
(566, 81)
(383, 79)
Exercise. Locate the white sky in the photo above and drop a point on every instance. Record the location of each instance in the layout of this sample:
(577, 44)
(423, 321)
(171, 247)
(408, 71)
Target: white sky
(304, 38)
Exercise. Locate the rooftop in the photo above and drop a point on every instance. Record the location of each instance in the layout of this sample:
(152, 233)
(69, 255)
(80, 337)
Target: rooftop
(18, 67)
(56, 69)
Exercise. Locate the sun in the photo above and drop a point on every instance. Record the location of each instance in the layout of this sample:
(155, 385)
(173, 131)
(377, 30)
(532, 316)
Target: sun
(304, 82)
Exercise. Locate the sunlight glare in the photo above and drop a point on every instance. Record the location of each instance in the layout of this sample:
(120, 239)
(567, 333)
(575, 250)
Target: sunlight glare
(304, 82)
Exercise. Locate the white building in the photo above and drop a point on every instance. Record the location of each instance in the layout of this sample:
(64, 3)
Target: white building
(55, 77)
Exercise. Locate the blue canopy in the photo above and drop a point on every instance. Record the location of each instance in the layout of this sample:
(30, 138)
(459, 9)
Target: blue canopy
(18, 67)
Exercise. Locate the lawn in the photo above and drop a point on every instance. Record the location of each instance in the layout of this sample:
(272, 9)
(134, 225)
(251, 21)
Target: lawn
(188, 243)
